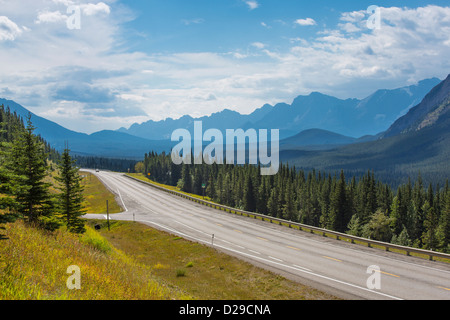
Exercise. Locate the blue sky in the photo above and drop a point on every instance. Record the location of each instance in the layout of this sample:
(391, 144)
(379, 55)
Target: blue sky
(227, 25)
(130, 61)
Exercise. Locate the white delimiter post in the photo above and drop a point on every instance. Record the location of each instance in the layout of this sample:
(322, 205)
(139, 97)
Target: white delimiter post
(107, 214)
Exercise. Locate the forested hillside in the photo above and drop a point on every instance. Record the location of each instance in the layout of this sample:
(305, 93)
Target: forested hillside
(413, 214)
(12, 125)
(26, 162)
(417, 142)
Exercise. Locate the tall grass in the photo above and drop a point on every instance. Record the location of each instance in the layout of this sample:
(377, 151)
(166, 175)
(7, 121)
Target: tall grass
(33, 266)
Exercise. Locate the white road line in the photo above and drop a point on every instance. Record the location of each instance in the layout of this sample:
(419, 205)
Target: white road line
(303, 268)
(276, 263)
(123, 203)
(313, 274)
(276, 259)
(199, 231)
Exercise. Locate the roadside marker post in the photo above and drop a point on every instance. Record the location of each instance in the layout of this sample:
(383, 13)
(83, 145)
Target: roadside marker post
(107, 214)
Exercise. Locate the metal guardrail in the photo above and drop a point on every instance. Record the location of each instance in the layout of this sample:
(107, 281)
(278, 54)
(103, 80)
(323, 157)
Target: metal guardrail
(303, 227)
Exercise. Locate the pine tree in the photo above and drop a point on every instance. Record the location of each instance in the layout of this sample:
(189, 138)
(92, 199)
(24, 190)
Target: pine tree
(398, 213)
(28, 164)
(402, 239)
(186, 179)
(70, 200)
(378, 227)
(197, 181)
(339, 209)
(7, 200)
(354, 226)
(443, 232)
(210, 188)
(249, 195)
(431, 222)
(272, 204)
(289, 205)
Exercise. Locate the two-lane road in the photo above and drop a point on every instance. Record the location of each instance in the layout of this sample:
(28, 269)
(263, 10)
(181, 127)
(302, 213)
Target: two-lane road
(338, 267)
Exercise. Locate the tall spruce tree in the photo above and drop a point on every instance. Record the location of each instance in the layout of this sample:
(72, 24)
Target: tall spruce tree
(70, 200)
(186, 178)
(443, 232)
(431, 224)
(28, 165)
(7, 200)
(339, 209)
(249, 195)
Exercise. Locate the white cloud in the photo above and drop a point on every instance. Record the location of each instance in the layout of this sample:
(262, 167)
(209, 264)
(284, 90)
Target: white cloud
(9, 30)
(64, 2)
(349, 27)
(188, 22)
(305, 22)
(50, 17)
(411, 45)
(252, 4)
(88, 9)
(355, 16)
(239, 55)
(258, 45)
(91, 9)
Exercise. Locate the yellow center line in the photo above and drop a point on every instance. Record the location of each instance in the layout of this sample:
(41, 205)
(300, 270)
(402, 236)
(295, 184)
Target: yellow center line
(237, 231)
(294, 248)
(444, 288)
(262, 239)
(332, 259)
(219, 224)
(389, 274)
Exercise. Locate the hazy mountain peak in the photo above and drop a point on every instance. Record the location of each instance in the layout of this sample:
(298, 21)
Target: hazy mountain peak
(427, 112)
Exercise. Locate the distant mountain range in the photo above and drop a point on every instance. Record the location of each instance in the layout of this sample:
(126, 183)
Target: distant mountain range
(319, 139)
(417, 142)
(313, 128)
(105, 143)
(351, 117)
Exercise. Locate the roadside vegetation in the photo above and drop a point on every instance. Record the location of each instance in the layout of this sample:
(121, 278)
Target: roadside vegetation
(34, 263)
(96, 194)
(43, 236)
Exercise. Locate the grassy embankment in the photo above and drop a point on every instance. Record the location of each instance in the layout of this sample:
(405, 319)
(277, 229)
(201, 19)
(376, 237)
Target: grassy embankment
(96, 195)
(132, 261)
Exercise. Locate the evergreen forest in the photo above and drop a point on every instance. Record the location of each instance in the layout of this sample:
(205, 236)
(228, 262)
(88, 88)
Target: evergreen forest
(413, 214)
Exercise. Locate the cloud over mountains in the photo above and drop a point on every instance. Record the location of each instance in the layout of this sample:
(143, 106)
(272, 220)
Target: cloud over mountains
(66, 74)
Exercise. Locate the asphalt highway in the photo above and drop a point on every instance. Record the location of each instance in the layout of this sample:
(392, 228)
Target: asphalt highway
(346, 270)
